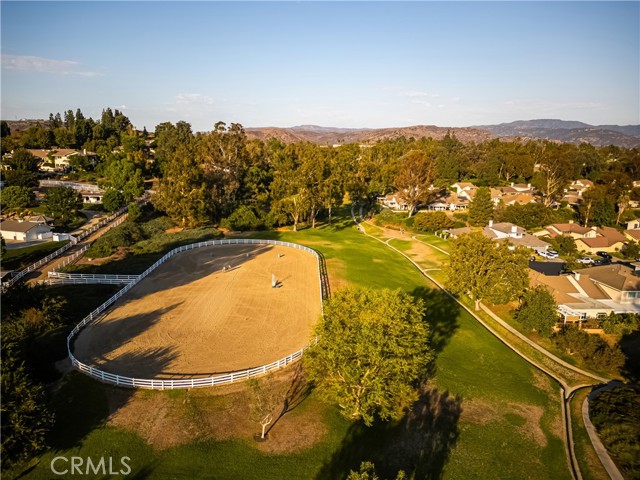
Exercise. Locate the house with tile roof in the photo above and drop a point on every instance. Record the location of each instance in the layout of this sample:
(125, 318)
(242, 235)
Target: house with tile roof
(593, 292)
(504, 232)
(465, 190)
(607, 239)
(633, 230)
(570, 229)
(448, 201)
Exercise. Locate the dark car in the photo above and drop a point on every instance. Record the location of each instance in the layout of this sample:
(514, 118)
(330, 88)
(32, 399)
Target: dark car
(604, 255)
(602, 261)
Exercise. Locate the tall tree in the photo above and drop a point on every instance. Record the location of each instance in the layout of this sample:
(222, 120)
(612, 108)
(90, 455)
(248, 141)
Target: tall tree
(481, 208)
(486, 270)
(183, 194)
(16, 197)
(23, 167)
(414, 178)
(62, 204)
(372, 350)
(538, 311)
(224, 160)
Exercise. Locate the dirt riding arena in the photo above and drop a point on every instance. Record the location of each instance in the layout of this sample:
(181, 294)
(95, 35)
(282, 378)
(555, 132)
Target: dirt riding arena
(190, 317)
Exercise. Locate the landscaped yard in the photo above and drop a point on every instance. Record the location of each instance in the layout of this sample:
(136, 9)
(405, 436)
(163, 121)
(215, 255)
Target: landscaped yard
(484, 414)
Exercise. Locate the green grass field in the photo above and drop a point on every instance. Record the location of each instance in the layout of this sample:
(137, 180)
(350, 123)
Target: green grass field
(19, 258)
(488, 414)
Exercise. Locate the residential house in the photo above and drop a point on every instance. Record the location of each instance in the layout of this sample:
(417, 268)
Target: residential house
(607, 239)
(465, 190)
(519, 199)
(394, 201)
(570, 229)
(505, 232)
(593, 292)
(38, 219)
(21, 231)
(57, 160)
(448, 201)
(516, 236)
(633, 230)
(573, 193)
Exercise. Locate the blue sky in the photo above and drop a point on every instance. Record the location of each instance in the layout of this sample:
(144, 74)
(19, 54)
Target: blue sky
(343, 64)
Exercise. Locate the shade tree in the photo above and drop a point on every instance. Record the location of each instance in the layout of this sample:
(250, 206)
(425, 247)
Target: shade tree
(486, 270)
(372, 351)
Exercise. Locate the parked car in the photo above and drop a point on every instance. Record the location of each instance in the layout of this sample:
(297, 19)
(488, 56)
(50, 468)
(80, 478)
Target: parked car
(586, 260)
(604, 255)
(549, 254)
(602, 261)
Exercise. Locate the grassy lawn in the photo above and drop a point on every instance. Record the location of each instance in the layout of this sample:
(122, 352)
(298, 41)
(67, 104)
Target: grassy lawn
(590, 465)
(20, 258)
(486, 413)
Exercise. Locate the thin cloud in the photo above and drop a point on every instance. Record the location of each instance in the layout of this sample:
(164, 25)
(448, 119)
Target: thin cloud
(194, 99)
(418, 94)
(33, 64)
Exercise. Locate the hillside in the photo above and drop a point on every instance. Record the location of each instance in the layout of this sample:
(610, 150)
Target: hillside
(333, 136)
(570, 132)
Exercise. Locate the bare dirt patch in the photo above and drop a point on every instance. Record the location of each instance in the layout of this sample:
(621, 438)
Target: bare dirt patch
(479, 412)
(532, 416)
(168, 419)
(190, 318)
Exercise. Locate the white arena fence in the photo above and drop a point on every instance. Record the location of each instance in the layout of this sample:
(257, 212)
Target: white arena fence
(168, 384)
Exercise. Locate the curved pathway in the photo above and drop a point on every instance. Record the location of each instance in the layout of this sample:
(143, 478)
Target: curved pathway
(566, 391)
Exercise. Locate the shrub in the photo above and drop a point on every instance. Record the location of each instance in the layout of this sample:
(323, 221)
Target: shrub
(621, 324)
(123, 236)
(390, 219)
(242, 219)
(112, 200)
(592, 349)
(432, 221)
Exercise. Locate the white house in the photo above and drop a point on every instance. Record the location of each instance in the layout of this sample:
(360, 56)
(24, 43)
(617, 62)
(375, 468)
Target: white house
(593, 292)
(394, 201)
(465, 190)
(24, 231)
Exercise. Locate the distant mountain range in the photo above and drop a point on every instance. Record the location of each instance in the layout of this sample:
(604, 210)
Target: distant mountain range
(627, 136)
(556, 130)
(569, 132)
(337, 136)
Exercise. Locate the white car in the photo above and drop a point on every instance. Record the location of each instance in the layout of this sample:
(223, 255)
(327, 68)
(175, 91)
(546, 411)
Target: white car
(585, 260)
(549, 254)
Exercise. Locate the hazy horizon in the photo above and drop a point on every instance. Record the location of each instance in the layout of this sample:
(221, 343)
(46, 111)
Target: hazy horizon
(333, 64)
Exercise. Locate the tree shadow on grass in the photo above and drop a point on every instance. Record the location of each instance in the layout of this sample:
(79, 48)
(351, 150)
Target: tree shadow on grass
(81, 404)
(296, 393)
(420, 444)
(441, 314)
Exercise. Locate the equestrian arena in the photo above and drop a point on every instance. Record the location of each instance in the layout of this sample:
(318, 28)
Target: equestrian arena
(205, 312)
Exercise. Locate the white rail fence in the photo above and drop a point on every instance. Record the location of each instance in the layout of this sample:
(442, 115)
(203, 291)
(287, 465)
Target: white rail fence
(59, 278)
(167, 384)
(105, 221)
(61, 250)
(86, 187)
